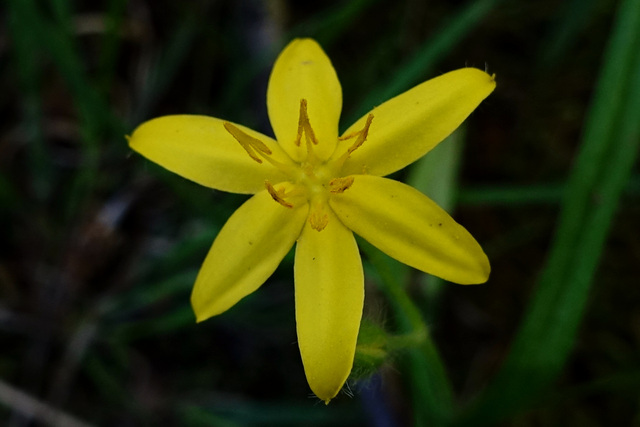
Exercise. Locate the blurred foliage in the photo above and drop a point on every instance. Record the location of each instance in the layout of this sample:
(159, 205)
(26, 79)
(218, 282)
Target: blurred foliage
(99, 248)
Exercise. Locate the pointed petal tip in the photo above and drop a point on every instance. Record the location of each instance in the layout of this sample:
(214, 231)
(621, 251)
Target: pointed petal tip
(304, 71)
(479, 280)
(481, 275)
(485, 268)
(198, 313)
(326, 394)
(303, 40)
(408, 126)
(480, 74)
(329, 294)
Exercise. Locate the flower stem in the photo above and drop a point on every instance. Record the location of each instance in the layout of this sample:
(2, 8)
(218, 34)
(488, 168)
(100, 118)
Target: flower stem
(430, 386)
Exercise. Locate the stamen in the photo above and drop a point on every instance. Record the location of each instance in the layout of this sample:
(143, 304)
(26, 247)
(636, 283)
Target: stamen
(256, 148)
(277, 195)
(361, 134)
(248, 142)
(339, 185)
(318, 218)
(361, 138)
(305, 125)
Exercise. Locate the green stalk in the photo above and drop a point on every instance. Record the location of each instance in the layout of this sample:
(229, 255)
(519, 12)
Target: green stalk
(430, 388)
(432, 51)
(436, 175)
(607, 154)
(29, 73)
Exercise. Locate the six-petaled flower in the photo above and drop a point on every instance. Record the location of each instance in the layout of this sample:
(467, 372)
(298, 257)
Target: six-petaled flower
(315, 188)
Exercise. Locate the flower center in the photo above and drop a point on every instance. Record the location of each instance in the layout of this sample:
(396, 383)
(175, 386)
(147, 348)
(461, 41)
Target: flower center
(316, 179)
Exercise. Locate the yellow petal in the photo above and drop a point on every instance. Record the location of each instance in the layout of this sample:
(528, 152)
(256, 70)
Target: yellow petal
(246, 252)
(303, 71)
(409, 125)
(329, 300)
(410, 227)
(199, 148)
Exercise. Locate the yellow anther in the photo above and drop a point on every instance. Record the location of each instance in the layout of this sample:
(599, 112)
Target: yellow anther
(304, 125)
(250, 144)
(361, 134)
(278, 195)
(361, 137)
(318, 218)
(339, 185)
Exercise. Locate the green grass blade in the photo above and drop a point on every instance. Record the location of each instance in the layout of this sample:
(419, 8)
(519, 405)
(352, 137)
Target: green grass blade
(327, 27)
(29, 73)
(433, 50)
(430, 387)
(525, 195)
(432, 393)
(436, 175)
(576, 14)
(96, 119)
(111, 43)
(543, 194)
(608, 152)
(231, 412)
(164, 69)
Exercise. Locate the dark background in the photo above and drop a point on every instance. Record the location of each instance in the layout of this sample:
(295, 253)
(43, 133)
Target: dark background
(99, 248)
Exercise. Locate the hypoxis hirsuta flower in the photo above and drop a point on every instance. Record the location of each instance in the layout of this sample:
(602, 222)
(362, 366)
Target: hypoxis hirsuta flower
(315, 187)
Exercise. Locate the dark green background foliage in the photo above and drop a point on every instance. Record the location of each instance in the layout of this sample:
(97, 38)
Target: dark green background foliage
(99, 248)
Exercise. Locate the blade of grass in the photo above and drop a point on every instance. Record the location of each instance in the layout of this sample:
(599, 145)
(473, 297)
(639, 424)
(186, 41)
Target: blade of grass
(42, 411)
(29, 73)
(436, 175)
(96, 119)
(107, 370)
(432, 51)
(431, 389)
(194, 416)
(545, 194)
(542, 194)
(328, 26)
(180, 317)
(576, 14)
(111, 43)
(164, 68)
(178, 285)
(607, 154)
(247, 413)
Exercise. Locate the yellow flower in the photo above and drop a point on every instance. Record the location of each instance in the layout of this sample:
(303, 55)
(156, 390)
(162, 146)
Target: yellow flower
(316, 188)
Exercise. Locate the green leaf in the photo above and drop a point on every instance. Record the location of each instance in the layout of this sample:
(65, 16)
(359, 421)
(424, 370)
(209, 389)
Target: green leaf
(427, 56)
(430, 387)
(607, 154)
